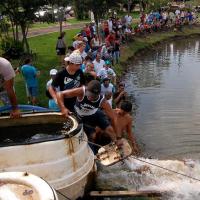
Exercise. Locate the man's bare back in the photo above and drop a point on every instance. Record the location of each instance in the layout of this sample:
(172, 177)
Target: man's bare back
(124, 125)
(123, 121)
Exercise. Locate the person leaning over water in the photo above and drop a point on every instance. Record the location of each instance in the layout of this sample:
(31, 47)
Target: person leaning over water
(89, 103)
(69, 77)
(7, 92)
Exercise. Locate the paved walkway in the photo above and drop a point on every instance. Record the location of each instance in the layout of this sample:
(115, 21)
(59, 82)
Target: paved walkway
(33, 32)
(51, 29)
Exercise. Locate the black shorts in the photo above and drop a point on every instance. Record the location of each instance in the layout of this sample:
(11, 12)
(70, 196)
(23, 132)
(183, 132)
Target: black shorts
(98, 119)
(61, 51)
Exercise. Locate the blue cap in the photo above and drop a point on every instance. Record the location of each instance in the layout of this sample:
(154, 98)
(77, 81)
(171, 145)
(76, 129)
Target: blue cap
(107, 62)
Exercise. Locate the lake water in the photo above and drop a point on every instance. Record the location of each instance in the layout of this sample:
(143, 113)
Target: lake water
(164, 86)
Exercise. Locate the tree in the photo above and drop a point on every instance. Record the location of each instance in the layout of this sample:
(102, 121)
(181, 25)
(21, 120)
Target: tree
(153, 4)
(157, 4)
(21, 14)
(60, 6)
(99, 8)
(81, 9)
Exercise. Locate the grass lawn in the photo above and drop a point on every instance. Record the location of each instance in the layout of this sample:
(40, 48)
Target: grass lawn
(44, 47)
(76, 21)
(193, 2)
(39, 25)
(134, 14)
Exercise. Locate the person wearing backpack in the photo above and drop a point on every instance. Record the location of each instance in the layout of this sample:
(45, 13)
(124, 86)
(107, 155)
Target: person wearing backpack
(61, 48)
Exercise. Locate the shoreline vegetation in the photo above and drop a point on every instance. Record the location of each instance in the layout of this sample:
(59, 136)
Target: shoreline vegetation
(44, 46)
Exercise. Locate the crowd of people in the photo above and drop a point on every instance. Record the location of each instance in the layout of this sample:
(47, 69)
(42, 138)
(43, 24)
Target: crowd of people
(86, 83)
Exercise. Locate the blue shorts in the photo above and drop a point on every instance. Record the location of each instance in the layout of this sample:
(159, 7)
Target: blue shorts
(33, 91)
(53, 105)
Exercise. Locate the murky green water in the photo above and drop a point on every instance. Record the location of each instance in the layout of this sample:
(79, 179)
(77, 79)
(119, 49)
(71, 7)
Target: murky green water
(165, 86)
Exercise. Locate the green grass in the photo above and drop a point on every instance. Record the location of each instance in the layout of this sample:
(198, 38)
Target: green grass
(77, 21)
(44, 47)
(193, 2)
(134, 14)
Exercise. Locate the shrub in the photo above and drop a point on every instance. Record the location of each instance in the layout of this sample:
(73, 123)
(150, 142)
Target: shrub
(11, 48)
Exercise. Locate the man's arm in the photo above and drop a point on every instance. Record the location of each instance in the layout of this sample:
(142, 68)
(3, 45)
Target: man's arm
(118, 98)
(52, 92)
(12, 97)
(110, 113)
(76, 92)
(131, 136)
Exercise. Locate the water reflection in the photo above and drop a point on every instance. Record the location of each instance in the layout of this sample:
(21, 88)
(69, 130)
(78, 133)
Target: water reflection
(165, 86)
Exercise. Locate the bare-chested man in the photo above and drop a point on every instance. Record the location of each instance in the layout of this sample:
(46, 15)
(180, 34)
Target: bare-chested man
(124, 123)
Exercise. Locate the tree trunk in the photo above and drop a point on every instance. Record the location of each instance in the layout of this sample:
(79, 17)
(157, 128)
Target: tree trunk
(129, 6)
(144, 5)
(13, 28)
(17, 32)
(96, 19)
(24, 40)
(53, 15)
(60, 23)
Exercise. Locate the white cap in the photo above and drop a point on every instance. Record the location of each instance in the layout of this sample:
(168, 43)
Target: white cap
(85, 39)
(74, 58)
(53, 71)
(66, 58)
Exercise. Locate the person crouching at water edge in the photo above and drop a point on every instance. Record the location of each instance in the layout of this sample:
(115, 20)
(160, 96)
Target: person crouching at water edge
(125, 124)
(88, 107)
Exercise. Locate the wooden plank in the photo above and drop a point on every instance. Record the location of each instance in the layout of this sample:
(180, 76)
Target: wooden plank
(111, 154)
(125, 193)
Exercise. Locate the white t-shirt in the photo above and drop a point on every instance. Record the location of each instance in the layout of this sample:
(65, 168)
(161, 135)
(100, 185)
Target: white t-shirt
(104, 73)
(98, 65)
(128, 19)
(75, 44)
(109, 89)
(6, 72)
(83, 54)
(128, 30)
(96, 42)
(177, 12)
(110, 25)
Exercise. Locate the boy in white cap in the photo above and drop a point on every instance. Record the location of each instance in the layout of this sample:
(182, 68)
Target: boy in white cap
(52, 104)
(69, 77)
